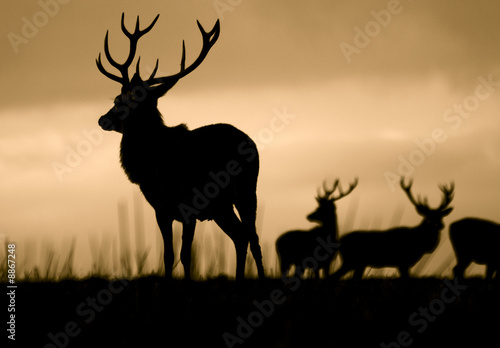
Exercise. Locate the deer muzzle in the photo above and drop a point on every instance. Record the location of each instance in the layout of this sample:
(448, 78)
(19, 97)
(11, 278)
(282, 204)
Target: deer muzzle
(106, 123)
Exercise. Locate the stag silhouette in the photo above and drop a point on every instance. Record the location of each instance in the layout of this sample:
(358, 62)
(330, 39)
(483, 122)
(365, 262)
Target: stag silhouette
(296, 247)
(399, 247)
(476, 240)
(186, 175)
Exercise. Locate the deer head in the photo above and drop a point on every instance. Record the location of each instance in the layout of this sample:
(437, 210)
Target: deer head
(326, 202)
(432, 217)
(138, 98)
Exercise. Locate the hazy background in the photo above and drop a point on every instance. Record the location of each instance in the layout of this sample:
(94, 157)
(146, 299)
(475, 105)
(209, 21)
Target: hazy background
(357, 114)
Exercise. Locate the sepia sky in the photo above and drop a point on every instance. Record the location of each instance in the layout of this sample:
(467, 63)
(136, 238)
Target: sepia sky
(327, 89)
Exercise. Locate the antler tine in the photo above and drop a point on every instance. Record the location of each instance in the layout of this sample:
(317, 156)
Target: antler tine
(183, 58)
(448, 194)
(423, 201)
(335, 184)
(153, 72)
(134, 38)
(124, 79)
(349, 190)
(153, 80)
(209, 39)
(407, 190)
(106, 73)
(326, 192)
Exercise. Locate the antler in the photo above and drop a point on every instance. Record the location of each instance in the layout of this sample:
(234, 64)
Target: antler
(448, 194)
(328, 192)
(349, 190)
(209, 39)
(418, 203)
(423, 203)
(123, 68)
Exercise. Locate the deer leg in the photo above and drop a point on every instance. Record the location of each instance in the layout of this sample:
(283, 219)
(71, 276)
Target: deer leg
(299, 271)
(358, 273)
(285, 267)
(490, 270)
(165, 224)
(241, 245)
(459, 269)
(404, 272)
(247, 208)
(496, 272)
(233, 227)
(187, 242)
(340, 272)
(257, 253)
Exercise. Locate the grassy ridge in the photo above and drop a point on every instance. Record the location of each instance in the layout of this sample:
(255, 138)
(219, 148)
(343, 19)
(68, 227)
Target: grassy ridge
(312, 313)
(132, 252)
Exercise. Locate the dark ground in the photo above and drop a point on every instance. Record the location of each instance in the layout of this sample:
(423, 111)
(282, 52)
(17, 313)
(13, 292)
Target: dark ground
(151, 312)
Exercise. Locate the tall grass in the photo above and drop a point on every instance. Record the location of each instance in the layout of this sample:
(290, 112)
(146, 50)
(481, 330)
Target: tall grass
(125, 254)
(128, 254)
(3, 259)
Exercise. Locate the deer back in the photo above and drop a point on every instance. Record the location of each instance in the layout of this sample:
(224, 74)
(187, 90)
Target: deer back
(476, 240)
(390, 248)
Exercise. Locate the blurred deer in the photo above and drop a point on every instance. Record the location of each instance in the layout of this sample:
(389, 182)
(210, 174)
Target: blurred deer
(296, 247)
(476, 240)
(186, 175)
(400, 247)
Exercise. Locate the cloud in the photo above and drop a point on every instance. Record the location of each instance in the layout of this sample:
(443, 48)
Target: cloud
(262, 44)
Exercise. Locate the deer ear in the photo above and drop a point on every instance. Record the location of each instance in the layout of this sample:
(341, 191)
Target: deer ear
(161, 89)
(447, 211)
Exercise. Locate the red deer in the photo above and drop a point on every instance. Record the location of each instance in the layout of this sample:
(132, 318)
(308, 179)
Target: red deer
(400, 247)
(186, 175)
(299, 248)
(476, 240)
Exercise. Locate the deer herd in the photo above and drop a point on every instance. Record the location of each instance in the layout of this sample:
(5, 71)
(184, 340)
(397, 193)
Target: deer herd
(473, 240)
(208, 172)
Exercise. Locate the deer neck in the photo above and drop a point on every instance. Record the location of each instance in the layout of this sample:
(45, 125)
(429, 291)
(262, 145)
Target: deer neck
(142, 146)
(143, 121)
(428, 233)
(330, 227)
